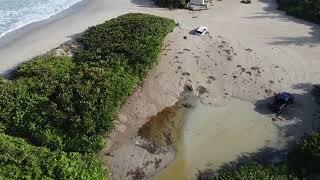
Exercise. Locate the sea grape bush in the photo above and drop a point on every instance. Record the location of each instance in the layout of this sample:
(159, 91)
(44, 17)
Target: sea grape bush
(63, 107)
(70, 103)
(20, 160)
(257, 171)
(131, 43)
(306, 156)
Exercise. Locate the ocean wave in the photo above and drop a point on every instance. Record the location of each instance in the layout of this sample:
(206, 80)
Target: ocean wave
(15, 14)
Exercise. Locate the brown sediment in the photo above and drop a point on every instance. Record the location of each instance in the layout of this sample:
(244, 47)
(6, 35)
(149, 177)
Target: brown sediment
(163, 128)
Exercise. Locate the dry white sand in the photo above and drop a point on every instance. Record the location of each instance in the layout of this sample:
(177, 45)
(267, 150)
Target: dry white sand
(251, 52)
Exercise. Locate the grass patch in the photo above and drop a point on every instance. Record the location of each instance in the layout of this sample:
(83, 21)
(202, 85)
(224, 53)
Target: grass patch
(255, 171)
(69, 104)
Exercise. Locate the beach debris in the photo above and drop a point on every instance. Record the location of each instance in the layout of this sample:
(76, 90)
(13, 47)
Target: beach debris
(202, 89)
(248, 49)
(212, 78)
(157, 162)
(268, 91)
(281, 101)
(188, 87)
(185, 74)
(179, 25)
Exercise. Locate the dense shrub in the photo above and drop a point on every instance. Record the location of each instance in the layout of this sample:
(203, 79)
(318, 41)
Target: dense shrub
(19, 160)
(46, 67)
(69, 103)
(252, 172)
(306, 156)
(130, 42)
(306, 9)
(172, 3)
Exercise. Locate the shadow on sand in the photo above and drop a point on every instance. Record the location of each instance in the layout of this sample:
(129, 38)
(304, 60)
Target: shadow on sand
(143, 3)
(272, 12)
(305, 109)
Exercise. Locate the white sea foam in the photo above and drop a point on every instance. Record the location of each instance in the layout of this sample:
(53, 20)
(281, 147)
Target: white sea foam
(18, 13)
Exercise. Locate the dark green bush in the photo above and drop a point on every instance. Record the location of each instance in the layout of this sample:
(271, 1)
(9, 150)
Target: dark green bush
(306, 156)
(130, 42)
(46, 67)
(252, 172)
(306, 9)
(19, 160)
(70, 103)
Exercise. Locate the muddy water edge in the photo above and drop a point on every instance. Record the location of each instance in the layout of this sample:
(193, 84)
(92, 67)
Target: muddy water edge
(209, 136)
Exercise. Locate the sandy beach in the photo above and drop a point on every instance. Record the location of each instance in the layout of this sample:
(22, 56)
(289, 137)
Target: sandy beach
(251, 52)
(40, 37)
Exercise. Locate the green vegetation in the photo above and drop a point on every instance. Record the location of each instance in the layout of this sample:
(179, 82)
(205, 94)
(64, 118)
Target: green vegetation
(257, 171)
(20, 160)
(306, 9)
(172, 3)
(130, 43)
(306, 156)
(68, 104)
(303, 163)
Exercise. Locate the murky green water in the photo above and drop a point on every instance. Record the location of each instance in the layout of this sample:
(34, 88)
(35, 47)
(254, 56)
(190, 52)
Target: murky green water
(213, 136)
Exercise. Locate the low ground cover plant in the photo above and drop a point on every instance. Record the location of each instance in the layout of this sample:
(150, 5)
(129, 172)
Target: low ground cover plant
(68, 105)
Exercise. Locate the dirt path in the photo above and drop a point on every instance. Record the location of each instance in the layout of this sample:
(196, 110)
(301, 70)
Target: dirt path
(251, 52)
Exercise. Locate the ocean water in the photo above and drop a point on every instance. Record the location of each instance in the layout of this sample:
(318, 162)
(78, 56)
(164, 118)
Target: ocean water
(18, 13)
